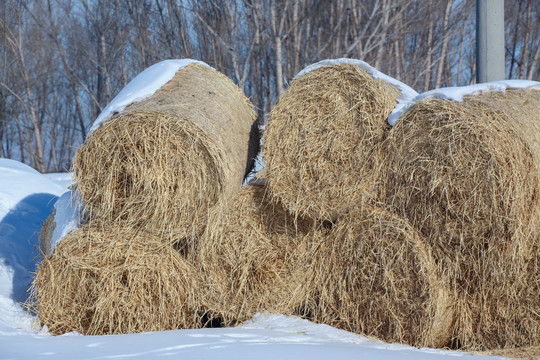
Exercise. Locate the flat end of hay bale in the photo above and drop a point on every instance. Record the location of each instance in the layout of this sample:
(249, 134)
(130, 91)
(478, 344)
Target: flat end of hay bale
(171, 159)
(321, 139)
(375, 275)
(106, 280)
(441, 153)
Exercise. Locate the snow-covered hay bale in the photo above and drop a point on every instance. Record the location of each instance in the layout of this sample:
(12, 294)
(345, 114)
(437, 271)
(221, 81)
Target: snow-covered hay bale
(167, 161)
(110, 280)
(321, 139)
(466, 174)
(375, 275)
(250, 258)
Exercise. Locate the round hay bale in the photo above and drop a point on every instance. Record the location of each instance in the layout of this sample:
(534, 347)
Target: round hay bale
(375, 275)
(466, 174)
(109, 280)
(250, 257)
(171, 159)
(321, 139)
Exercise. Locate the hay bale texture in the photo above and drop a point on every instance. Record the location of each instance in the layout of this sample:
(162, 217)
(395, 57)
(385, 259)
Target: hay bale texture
(532, 352)
(321, 139)
(168, 161)
(46, 234)
(466, 174)
(502, 312)
(105, 279)
(250, 258)
(375, 275)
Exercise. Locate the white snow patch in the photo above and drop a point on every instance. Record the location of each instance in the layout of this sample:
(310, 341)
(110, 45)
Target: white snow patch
(458, 93)
(257, 170)
(26, 199)
(407, 93)
(18, 181)
(67, 217)
(63, 179)
(296, 324)
(265, 337)
(143, 86)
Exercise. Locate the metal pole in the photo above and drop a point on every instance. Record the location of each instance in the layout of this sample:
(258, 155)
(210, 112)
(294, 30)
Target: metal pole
(489, 40)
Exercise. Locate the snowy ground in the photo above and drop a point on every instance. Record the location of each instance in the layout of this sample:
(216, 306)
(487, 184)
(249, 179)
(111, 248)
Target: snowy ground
(27, 198)
(265, 337)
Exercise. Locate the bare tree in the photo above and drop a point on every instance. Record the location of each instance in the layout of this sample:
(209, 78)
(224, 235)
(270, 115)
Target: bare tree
(29, 121)
(62, 61)
(522, 36)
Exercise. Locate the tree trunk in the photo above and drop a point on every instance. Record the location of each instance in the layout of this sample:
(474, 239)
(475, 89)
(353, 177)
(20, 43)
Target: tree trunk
(444, 48)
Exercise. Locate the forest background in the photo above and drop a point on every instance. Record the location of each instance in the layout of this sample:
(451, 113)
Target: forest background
(62, 61)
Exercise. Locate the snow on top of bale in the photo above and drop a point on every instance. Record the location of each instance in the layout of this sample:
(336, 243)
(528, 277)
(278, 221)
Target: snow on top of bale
(459, 92)
(407, 93)
(143, 86)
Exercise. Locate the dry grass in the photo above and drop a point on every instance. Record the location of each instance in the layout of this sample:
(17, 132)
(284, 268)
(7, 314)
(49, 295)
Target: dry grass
(375, 275)
(251, 257)
(321, 139)
(502, 312)
(169, 161)
(109, 280)
(532, 353)
(46, 233)
(467, 176)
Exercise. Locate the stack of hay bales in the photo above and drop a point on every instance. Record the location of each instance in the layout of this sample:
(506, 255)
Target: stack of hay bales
(435, 221)
(425, 233)
(150, 178)
(466, 175)
(322, 149)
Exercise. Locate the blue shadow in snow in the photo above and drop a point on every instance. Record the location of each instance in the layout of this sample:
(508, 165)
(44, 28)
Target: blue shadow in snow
(19, 234)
